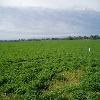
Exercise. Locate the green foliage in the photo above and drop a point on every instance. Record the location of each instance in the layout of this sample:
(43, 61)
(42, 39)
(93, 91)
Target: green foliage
(50, 70)
(91, 82)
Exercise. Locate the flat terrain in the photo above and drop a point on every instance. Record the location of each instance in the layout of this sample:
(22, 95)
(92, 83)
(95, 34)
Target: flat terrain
(50, 70)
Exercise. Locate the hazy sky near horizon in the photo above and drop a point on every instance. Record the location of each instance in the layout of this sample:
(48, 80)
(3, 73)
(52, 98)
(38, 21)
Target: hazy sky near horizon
(59, 4)
(84, 17)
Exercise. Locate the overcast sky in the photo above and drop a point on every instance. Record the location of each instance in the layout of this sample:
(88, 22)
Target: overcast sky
(61, 4)
(12, 22)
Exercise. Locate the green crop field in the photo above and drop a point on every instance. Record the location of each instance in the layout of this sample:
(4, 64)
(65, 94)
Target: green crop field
(50, 70)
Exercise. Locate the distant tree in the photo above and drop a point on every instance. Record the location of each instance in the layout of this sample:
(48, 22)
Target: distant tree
(91, 37)
(94, 37)
(70, 38)
(86, 37)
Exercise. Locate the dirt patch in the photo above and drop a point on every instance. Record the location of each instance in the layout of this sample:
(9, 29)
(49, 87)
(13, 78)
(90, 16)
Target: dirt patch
(66, 78)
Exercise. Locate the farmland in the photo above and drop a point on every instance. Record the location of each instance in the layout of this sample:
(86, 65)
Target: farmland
(50, 70)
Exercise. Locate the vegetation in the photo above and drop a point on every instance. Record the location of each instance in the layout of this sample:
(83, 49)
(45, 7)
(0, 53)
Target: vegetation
(50, 70)
(91, 37)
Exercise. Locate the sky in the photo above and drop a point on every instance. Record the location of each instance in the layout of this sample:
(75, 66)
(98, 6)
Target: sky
(59, 4)
(48, 18)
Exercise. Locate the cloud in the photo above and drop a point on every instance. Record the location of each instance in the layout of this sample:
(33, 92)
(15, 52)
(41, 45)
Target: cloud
(55, 4)
(43, 18)
(35, 22)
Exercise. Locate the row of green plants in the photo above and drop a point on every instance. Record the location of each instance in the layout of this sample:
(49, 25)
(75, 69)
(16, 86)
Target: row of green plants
(28, 70)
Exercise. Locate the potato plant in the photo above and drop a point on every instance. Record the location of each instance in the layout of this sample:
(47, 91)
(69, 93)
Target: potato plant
(50, 70)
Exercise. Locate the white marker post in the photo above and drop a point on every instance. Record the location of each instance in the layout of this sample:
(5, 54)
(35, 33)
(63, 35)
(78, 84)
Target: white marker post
(89, 49)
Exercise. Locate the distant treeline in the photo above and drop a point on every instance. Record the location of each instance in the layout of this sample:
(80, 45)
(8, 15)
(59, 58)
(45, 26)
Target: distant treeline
(92, 37)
